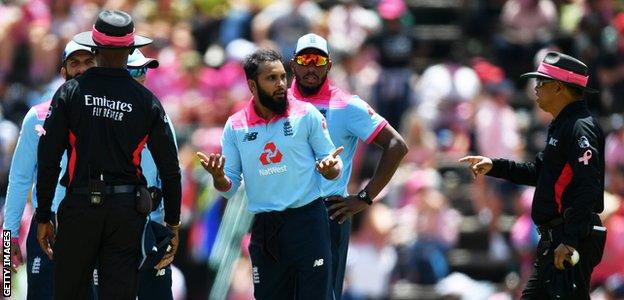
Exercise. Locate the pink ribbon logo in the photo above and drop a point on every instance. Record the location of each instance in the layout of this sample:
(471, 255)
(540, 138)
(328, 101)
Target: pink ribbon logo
(586, 157)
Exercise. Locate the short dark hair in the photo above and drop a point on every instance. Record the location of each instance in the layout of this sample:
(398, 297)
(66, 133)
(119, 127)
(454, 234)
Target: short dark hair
(253, 61)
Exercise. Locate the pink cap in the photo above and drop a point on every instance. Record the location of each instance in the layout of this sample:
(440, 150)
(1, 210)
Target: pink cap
(391, 9)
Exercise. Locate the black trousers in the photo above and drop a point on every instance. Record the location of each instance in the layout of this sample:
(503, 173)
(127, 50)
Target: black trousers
(290, 254)
(109, 235)
(571, 283)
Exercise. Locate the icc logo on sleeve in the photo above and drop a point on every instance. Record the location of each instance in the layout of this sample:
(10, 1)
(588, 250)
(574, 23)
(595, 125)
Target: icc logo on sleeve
(583, 142)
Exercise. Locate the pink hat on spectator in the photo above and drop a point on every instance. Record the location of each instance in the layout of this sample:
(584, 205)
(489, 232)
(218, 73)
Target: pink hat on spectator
(421, 179)
(488, 73)
(415, 183)
(391, 9)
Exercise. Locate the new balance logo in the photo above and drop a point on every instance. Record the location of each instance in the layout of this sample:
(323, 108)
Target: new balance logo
(250, 136)
(160, 272)
(318, 263)
(36, 265)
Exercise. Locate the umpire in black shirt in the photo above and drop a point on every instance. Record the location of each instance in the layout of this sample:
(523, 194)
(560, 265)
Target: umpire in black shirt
(103, 120)
(569, 179)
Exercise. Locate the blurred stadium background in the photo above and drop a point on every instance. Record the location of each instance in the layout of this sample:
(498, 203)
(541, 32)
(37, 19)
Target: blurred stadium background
(444, 72)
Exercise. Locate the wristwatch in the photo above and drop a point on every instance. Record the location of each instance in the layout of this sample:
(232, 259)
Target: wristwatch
(363, 195)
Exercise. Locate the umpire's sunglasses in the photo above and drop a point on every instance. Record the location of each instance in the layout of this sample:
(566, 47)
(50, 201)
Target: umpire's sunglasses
(307, 59)
(539, 82)
(137, 72)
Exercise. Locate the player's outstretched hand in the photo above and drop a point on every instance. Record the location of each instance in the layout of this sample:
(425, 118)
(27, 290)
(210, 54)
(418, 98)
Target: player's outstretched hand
(213, 163)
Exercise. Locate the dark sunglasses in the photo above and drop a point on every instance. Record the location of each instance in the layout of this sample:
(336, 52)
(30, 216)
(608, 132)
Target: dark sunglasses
(307, 59)
(137, 72)
(540, 82)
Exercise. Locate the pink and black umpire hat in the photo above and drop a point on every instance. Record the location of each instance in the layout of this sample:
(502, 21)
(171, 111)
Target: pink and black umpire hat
(564, 68)
(113, 29)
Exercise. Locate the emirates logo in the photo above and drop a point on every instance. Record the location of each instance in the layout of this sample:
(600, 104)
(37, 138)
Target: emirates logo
(270, 155)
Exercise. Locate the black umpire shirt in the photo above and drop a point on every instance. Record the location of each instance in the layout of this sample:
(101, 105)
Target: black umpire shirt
(103, 119)
(568, 175)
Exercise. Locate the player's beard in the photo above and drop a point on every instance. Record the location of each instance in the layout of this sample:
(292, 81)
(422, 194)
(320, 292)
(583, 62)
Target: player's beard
(69, 76)
(277, 106)
(309, 90)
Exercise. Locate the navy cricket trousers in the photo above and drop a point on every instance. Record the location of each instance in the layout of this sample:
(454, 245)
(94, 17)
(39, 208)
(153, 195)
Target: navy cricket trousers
(291, 255)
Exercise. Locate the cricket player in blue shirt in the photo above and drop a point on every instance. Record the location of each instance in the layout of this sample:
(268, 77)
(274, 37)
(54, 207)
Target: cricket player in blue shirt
(278, 146)
(349, 119)
(154, 284)
(75, 61)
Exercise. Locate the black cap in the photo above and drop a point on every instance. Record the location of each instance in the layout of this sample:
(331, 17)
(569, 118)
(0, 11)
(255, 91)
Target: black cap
(112, 29)
(564, 68)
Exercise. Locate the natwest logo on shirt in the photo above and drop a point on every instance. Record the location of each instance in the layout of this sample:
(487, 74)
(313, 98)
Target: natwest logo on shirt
(270, 155)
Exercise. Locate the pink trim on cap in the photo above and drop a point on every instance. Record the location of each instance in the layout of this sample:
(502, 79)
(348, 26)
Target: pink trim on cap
(562, 74)
(107, 40)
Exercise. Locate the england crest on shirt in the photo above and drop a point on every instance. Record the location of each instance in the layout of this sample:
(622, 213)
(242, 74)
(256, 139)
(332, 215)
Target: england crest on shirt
(288, 130)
